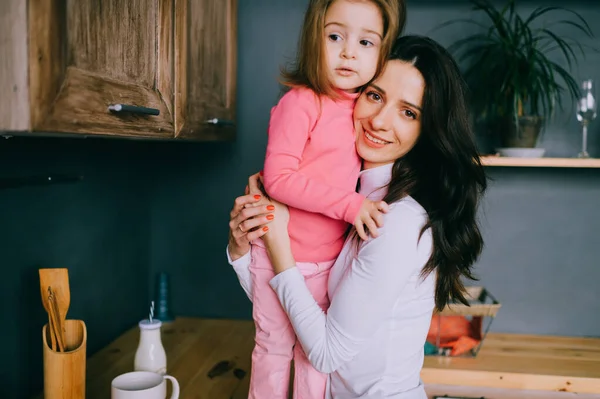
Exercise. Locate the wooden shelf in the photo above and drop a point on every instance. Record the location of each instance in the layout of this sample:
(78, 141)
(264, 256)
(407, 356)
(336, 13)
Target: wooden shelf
(493, 160)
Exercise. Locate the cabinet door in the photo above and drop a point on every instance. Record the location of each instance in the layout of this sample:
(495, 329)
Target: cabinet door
(14, 96)
(86, 55)
(205, 65)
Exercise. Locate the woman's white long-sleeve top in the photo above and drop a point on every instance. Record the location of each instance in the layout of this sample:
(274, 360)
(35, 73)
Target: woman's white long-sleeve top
(371, 338)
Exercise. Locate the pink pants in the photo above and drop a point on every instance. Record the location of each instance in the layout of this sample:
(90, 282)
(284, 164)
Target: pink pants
(275, 339)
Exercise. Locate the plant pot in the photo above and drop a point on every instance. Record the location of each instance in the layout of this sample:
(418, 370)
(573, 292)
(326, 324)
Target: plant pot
(523, 135)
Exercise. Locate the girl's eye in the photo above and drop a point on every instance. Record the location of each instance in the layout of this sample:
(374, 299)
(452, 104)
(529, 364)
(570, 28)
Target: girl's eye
(373, 96)
(366, 43)
(334, 37)
(410, 114)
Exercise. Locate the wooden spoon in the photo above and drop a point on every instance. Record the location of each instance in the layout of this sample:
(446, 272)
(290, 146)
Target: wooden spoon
(47, 306)
(58, 280)
(50, 328)
(57, 328)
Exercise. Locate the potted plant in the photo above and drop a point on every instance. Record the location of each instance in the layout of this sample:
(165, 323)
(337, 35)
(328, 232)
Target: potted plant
(515, 86)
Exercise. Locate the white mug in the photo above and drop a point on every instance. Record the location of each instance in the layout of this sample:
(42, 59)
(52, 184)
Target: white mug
(142, 385)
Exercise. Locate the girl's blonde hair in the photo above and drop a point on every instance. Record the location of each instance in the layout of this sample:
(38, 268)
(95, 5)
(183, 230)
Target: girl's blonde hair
(307, 70)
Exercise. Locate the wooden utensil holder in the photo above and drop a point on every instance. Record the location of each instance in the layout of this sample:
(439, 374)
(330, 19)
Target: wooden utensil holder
(64, 372)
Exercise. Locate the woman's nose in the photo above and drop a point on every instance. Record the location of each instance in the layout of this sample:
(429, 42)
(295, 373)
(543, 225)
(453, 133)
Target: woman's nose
(381, 120)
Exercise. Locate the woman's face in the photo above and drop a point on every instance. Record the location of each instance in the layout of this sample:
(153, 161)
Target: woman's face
(387, 115)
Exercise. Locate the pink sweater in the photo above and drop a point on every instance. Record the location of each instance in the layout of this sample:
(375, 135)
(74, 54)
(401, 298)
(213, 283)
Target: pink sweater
(311, 165)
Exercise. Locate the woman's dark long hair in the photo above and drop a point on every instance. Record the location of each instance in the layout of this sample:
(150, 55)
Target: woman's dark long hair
(443, 171)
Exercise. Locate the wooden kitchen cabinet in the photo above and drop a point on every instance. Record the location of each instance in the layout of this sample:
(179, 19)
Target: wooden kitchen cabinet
(63, 63)
(205, 68)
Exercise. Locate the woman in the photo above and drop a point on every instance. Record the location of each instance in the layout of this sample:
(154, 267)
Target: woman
(419, 156)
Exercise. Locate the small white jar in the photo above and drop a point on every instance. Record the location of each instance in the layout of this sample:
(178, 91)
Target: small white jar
(150, 354)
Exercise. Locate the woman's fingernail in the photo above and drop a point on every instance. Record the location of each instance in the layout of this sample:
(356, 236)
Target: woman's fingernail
(256, 196)
(270, 207)
(270, 217)
(266, 228)
(260, 173)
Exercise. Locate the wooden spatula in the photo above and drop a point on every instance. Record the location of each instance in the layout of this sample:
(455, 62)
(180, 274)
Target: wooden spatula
(52, 329)
(58, 332)
(58, 280)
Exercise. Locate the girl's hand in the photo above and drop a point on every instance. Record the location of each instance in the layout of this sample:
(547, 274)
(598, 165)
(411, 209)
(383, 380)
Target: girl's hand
(248, 221)
(370, 215)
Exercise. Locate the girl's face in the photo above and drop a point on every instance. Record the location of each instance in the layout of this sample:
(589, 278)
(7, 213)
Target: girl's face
(387, 115)
(353, 34)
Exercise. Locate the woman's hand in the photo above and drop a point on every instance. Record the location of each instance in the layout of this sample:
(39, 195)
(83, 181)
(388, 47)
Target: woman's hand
(277, 239)
(278, 229)
(248, 219)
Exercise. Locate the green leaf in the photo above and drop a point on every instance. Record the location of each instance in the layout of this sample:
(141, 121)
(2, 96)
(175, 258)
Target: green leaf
(571, 42)
(577, 26)
(565, 48)
(538, 12)
(499, 23)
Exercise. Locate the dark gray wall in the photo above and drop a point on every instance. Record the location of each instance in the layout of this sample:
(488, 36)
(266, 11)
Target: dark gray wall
(542, 255)
(97, 228)
(148, 207)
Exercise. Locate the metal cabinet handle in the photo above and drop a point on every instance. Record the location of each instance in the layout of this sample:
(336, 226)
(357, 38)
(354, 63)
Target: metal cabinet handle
(133, 109)
(220, 122)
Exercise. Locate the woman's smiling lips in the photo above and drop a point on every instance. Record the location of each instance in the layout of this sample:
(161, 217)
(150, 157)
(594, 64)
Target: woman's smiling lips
(374, 141)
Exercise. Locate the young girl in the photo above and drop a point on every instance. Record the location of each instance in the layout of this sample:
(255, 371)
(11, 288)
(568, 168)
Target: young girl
(311, 165)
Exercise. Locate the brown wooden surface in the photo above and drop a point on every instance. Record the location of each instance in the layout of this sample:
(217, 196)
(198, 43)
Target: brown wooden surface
(523, 362)
(14, 92)
(474, 392)
(205, 62)
(193, 347)
(85, 55)
(544, 162)
(506, 361)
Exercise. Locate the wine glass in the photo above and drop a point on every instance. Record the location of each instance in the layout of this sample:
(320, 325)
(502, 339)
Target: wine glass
(586, 112)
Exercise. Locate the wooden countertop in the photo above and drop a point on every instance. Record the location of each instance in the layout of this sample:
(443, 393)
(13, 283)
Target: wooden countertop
(535, 362)
(195, 345)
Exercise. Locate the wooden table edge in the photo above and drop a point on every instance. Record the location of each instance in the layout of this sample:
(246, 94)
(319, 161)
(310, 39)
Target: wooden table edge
(527, 381)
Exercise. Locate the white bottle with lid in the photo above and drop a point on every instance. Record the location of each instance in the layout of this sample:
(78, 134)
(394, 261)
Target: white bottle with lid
(150, 354)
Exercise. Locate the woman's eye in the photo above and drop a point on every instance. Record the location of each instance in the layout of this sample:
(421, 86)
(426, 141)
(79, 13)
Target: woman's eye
(410, 114)
(373, 96)
(334, 37)
(366, 43)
